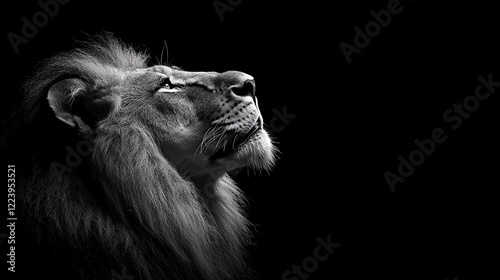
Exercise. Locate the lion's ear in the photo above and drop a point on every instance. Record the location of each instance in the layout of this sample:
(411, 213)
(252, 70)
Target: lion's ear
(74, 104)
(61, 96)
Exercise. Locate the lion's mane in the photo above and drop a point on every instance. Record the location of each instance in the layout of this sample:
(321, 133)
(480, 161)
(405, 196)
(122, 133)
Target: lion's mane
(123, 205)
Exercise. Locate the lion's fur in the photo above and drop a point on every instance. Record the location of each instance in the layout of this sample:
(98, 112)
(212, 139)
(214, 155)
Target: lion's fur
(125, 205)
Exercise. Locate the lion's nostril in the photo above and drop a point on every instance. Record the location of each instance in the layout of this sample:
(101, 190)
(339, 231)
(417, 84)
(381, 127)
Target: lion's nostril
(247, 88)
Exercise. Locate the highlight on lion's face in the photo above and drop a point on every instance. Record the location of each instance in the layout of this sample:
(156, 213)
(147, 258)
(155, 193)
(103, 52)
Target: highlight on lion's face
(207, 121)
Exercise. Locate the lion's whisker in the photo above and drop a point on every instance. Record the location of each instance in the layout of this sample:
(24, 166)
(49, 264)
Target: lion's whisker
(234, 141)
(203, 140)
(165, 47)
(224, 146)
(216, 133)
(221, 136)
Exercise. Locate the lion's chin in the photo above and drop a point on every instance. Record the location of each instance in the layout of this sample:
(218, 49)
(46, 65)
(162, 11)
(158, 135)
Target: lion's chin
(257, 152)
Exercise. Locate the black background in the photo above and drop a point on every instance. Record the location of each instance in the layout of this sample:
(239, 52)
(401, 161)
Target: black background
(351, 121)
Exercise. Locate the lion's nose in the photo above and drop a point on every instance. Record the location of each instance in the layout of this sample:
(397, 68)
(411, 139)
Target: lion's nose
(240, 84)
(247, 88)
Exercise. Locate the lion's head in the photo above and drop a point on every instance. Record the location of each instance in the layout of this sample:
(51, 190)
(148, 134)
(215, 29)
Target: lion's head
(130, 162)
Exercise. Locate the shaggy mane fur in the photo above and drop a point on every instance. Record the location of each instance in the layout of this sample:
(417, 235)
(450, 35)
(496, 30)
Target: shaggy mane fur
(123, 205)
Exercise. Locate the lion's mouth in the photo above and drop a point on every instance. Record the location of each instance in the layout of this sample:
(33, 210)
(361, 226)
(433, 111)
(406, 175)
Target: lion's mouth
(235, 140)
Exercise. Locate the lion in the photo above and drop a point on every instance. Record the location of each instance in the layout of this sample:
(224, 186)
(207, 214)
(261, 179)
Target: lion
(129, 163)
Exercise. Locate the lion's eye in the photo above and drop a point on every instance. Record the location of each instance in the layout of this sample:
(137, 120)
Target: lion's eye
(166, 85)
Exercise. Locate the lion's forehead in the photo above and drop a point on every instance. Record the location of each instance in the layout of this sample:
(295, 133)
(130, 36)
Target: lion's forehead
(147, 78)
